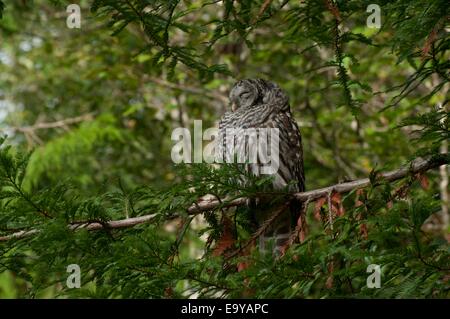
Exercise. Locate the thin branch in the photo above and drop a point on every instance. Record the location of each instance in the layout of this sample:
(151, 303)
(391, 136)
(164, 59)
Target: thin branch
(261, 11)
(330, 210)
(58, 124)
(123, 223)
(417, 166)
(189, 89)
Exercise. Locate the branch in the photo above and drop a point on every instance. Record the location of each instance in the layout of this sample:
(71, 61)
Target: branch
(416, 166)
(190, 89)
(261, 11)
(58, 124)
(129, 222)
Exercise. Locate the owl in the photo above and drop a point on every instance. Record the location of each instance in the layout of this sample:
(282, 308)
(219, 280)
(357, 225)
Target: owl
(258, 105)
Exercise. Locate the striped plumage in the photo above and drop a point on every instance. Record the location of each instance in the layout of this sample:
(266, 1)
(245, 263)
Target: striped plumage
(257, 103)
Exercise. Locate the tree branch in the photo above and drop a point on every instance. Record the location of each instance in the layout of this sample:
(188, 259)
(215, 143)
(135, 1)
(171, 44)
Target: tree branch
(416, 166)
(122, 223)
(57, 124)
(189, 89)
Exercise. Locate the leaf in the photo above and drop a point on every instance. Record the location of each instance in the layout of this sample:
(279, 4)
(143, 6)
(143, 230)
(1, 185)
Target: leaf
(373, 175)
(242, 266)
(428, 43)
(319, 203)
(358, 202)
(363, 231)
(299, 233)
(424, 181)
(301, 223)
(168, 292)
(227, 240)
(330, 281)
(333, 9)
(336, 204)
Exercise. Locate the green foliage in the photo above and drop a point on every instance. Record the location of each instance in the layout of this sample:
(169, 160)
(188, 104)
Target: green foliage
(147, 261)
(67, 152)
(159, 20)
(434, 129)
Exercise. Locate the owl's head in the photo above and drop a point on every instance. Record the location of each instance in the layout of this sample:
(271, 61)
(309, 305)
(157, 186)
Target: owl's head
(251, 92)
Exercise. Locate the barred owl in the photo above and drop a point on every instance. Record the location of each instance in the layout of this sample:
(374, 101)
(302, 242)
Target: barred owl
(260, 104)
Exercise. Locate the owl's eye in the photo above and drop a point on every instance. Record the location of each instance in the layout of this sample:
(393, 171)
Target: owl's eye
(244, 95)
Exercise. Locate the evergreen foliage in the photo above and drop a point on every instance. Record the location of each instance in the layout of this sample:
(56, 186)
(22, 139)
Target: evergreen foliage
(365, 100)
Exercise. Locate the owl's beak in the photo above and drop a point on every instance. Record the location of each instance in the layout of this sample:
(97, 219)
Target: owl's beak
(233, 107)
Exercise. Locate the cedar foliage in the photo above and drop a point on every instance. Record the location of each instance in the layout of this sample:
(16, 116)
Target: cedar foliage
(367, 95)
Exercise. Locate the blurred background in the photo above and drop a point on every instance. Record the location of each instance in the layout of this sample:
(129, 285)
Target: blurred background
(98, 104)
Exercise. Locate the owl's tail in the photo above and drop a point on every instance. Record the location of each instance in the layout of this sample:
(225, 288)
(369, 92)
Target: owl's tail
(280, 231)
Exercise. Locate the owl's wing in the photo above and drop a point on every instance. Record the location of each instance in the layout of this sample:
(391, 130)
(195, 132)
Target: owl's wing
(290, 151)
(290, 168)
(227, 121)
